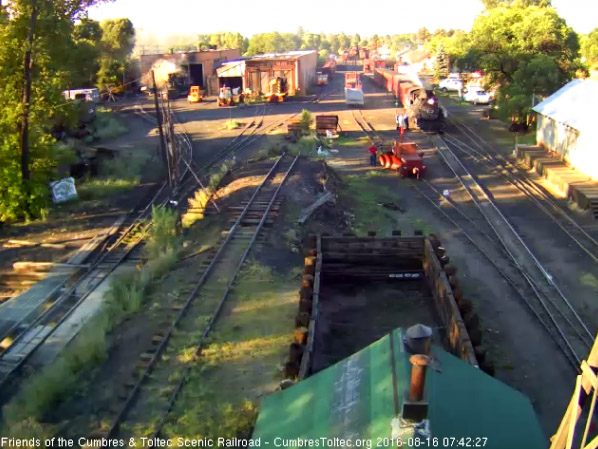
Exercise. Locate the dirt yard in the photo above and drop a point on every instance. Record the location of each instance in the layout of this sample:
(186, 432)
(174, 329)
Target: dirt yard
(352, 315)
(365, 199)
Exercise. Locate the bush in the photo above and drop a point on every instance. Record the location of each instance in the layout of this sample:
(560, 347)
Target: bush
(232, 124)
(163, 233)
(307, 145)
(201, 198)
(107, 126)
(126, 295)
(305, 120)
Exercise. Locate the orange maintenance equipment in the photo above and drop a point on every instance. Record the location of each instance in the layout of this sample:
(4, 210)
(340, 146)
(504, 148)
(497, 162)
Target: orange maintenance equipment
(194, 95)
(405, 159)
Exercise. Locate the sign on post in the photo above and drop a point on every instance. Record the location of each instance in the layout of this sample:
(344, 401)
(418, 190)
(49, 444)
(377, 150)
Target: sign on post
(63, 190)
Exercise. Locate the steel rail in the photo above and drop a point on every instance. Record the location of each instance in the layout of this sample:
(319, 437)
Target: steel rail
(214, 316)
(532, 191)
(64, 297)
(516, 235)
(550, 278)
(567, 349)
(506, 276)
(88, 270)
(114, 427)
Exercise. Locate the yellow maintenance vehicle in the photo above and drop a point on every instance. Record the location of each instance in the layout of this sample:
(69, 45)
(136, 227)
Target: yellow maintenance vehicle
(194, 95)
(230, 97)
(278, 90)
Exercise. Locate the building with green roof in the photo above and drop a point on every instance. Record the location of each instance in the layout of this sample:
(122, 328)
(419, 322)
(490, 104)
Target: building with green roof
(364, 401)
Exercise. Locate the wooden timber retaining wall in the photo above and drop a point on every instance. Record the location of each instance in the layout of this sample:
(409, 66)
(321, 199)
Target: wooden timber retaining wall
(456, 335)
(383, 258)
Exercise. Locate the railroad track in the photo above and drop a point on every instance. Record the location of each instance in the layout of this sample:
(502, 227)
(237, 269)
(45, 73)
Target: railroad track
(153, 391)
(482, 153)
(366, 127)
(27, 334)
(548, 303)
(498, 241)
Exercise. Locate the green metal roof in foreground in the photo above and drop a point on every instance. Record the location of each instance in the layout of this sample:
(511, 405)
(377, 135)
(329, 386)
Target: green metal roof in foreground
(355, 399)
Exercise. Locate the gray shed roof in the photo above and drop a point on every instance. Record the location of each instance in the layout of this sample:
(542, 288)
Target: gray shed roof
(573, 104)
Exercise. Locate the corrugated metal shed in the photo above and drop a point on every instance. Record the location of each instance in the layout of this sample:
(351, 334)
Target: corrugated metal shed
(233, 68)
(572, 105)
(357, 399)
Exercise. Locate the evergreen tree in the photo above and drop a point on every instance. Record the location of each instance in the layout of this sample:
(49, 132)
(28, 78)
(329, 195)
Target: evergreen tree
(441, 65)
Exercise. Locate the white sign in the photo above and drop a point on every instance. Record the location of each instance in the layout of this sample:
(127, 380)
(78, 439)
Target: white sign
(63, 190)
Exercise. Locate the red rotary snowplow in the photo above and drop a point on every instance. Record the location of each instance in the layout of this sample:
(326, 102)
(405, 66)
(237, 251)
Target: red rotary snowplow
(404, 158)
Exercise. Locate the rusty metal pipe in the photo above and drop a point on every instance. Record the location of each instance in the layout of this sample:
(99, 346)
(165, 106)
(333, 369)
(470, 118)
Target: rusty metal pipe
(418, 377)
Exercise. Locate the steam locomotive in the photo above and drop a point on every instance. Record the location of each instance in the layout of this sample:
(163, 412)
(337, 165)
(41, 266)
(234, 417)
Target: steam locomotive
(421, 105)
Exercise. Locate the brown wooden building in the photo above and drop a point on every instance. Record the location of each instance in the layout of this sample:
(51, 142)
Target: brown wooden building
(298, 68)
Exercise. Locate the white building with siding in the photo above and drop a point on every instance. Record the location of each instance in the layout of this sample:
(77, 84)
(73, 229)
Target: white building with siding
(568, 124)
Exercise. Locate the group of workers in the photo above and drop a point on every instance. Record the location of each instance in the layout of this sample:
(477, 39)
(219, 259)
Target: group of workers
(402, 121)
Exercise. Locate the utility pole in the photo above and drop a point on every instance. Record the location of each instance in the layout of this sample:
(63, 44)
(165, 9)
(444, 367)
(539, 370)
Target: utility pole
(174, 147)
(160, 131)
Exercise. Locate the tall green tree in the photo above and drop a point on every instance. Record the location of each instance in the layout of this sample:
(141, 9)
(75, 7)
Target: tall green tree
(118, 41)
(525, 50)
(422, 36)
(589, 47)
(441, 67)
(84, 54)
(509, 36)
(489, 4)
(35, 39)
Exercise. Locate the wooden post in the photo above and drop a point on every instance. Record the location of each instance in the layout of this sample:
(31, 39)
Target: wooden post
(160, 131)
(174, 146)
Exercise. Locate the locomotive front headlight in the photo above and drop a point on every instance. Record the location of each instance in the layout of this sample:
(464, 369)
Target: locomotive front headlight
(431, 101)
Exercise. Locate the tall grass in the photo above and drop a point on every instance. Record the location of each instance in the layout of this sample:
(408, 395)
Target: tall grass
(162, 236)
(107, 126)
(201, 198)
(127, 294)
(306, 120)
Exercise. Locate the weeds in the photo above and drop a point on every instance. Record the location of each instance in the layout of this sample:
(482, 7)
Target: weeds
(306, 120)
(307, 145)
(230, 125)
(162, 235)
(239, 364)
(62, 378)
(364, 198)
(201, 198)
(102, 188)
(107, 126)
(56, 382)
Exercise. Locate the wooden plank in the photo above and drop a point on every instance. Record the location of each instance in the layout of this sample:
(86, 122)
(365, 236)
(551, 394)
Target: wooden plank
(575, 412)
(446, 307)
(329, 239)
(589, 419)
(308, 211)
(25, 266)
(589, 379)
(306, 360)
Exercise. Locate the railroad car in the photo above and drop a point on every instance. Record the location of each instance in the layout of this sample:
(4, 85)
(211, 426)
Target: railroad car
(329, 68)
(353, 89)
(421, 104)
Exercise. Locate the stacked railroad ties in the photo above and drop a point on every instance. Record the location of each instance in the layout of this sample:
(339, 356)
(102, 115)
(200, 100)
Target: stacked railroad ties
(453, 296)
(462, 335)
